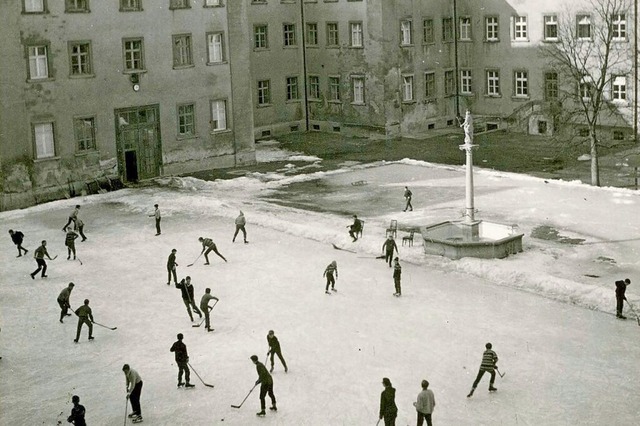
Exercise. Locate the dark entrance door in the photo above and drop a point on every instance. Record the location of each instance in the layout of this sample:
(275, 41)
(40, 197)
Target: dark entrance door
(138, 142)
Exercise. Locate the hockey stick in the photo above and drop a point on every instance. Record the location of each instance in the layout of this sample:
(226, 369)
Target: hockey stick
(194, 262)
(194, 370)
(634, 312)
(245, 398)
(126, 407)
(110, 328)
(203, 319)
(340, 248)
(501, 374)
(78, 259)
(54, 257)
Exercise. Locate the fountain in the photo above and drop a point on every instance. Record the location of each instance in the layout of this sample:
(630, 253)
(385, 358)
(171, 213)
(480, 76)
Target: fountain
(470, 237)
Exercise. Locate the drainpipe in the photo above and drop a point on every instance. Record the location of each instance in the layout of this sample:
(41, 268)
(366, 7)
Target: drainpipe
(305, 98)
(455, 54)
(635, 72)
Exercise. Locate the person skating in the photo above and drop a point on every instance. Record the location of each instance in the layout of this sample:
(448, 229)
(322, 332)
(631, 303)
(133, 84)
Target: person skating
(134, 389)
(171, 268)
(63, 301)
(39, 255)
(73, 217)
(70, 242)
(241, 221)
(388, 408)
(331, 280)
(182, 359)
(85, 316)
(488, 365)
(274, 349)
(204, 306)
(187, 296)
(17, 237)
(407, 197)
(77, 412)
(355, 228)
(397, 273)
(266, 386)
(209, 246)
(425, 404)
(621, 287)
(388, 248)
(80, 227)
(158, 217)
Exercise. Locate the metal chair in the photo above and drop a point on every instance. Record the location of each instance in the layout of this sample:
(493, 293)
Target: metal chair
(408, 239)
(392, 230)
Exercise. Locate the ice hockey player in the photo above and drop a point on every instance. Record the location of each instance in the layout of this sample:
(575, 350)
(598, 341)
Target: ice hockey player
(388, 247)
(187, 296)
(397, 273)
(77, 412)
(331, 280)
(80, 228)
(204, 306)
(134, 389)
(241, 221)
(85, 316)
(182, 359)
(621, 287)
(425, 404)
(266, 386)
(73, 217)
(388, 408)
(17, 237)
(488, 365)
(171, 268)
(70, 242)
(63, 301)
(209, 246)
(156, 214)
(274, 349)
(39, 255)
(407, 196)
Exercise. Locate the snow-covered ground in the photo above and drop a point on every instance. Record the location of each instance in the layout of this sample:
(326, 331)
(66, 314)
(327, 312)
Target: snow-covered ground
(567, 359)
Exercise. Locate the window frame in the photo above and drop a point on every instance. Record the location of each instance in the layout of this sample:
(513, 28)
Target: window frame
(34, 133)
(89, 58)
(210, 52)
(428, 31)
(92, 134)
(550, 21)
(619, 26)
(37, 76)
(521, 84)
(126, 69)
(430, 88)
(132, 6)
(358, 82)
(256, 27)
(491, 27)
(292, 88)
(619, 92)
(356, 33)
(184, 4)
(331, 33)
(182, 52)
(466, 82)
(186, 119)
(212, 3)
(551, 88)
(34, 12)
(408, 88)
(227, 126)
(406, 32)
(581, 26)
(492, 82)
(289, 39)
(75, 8)
(464, 22)
(264, 92)
(520, 28)
(312, 38)
(448, 30)
(449, 83)
(334, 84)
(315, 93)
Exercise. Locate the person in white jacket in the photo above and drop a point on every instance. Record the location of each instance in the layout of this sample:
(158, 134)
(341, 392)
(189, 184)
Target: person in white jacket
(241, 221)
(134, 388)
(425, 404)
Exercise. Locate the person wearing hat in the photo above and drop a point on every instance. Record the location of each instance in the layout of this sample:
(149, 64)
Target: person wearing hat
(621, 287)
(266, 386)
(240, 222)
(488, 365)
(182, 359)
(274, 349)
(425, 404)
(397, 273)
(134, 389)
(158, 217)
(39, 255)
(63, 301)
(84, 317)
(388, 247)
(77, 412)
(388, 408)
(17, 237)
(355, 228)
(209, 246)
(171, 268)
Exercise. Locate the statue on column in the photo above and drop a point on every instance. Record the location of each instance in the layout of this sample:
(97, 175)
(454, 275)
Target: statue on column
(467, 125)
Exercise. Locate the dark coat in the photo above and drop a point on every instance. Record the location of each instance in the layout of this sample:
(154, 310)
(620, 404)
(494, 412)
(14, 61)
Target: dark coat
(263, 375)
(621, 287)
(17, 237)
(274, 344)
(180, 350)
(187, 290)
(388, 406)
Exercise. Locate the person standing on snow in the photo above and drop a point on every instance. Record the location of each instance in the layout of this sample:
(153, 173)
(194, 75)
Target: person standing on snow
(39, 255)
(171, 268)
(187, 296)
(240, 222)
(266, 386)
(182, 359)
(488, 365)
(274, 349)
(63, 301)
(158, 217)
(209, 246)
(425, 404)
(331, 280)
(407, 196)
(621, 287)
(77, 412)
(134, 389)
(73, 217)
(204, 306)
(85, 316)
(388, 247)
(388, 408)
(70, 242)
(17, 237)
(397, 273)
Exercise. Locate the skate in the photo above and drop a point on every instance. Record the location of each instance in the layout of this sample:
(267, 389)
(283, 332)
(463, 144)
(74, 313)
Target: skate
(75, 340)
(132, 415)
(471, 393)
(210, 329)
(180, 384)
(207, 263)
(492, 389)
(261, 413)
(189, 385)
(327, 292)
(274, 408)
(621, 316)
(246, 242)
(333, 289)
(91, 337)
(271, 370)
(137, 419)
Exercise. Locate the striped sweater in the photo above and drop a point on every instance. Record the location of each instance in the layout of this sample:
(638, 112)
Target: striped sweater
(489, 359)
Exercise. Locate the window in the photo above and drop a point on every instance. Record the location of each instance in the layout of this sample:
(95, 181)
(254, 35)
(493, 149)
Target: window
(34, 6)
(182, 50)
(215, 48)
(618, 135)
(428, 35)
(430, 85)
(71, 6)
(312, 34)
(583, 30)
(289, 34)
(80, 58)
(314, 87)
(332, 34)
(292, 89)
(84, 131)
(179, 4)
(585, 89)
(406, 36)
(260, 37)
(493, 83)
(130, 5)
(407, 88)
(211, 3)
(465, 82)
(619, 88)
(619, 26)
(465, 28)
(551, 27)
(550, 86)
(334, 89)
(491, 28)
(264, 93)
(45, 144)
(449, 83)
(38, 62)
(447, 29)
(218, 115)
(520, 28)
(133, 58)
(186, 120)
(357, 87)
(521, 84)
(356, 34)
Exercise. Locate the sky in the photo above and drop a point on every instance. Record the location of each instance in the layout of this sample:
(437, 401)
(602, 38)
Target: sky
(548, 311)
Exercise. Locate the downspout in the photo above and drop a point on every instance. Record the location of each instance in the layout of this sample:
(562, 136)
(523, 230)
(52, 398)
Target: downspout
(455, 54)
(304, 68)
(635, 72)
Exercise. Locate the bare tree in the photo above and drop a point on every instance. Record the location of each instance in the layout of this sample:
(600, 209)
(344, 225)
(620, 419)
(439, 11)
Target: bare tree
(588, 53)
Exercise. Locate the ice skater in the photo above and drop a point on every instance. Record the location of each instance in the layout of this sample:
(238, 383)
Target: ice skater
(17, 237)
(204, 306)
(80, 228)
(241, 221)
(171, 268)
(621, 287)
(182, 359)
(355, 228)
(209, 246)
(158, 217)
(397, 273)
(407, 197)
(274, 349)
(70, 242)
(331, 280)
(85, 316)
(425, 404)
(134, 389)
(63, 301)
(39, 255)
(73, 217)
(388, 408)
(388, 247)
(187, 296)
(77, 412)
(266, 386)
(488, 365)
